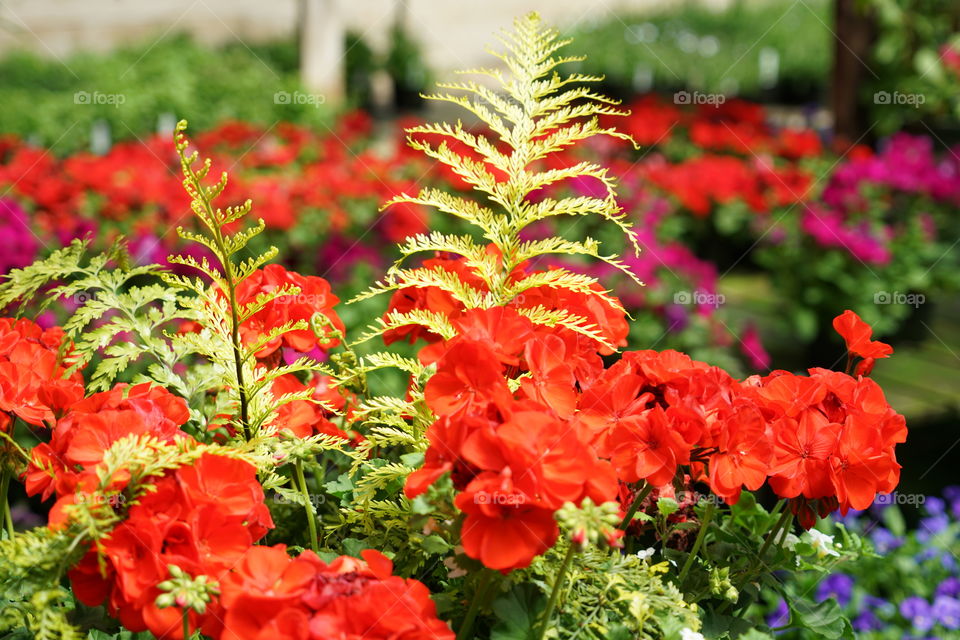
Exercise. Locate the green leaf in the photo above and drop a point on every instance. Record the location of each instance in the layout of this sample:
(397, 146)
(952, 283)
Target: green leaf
(667, 506)
(823, 618)
(435, 545)
(341, 486)
(353, 546)
(716, 625)
(516, 612)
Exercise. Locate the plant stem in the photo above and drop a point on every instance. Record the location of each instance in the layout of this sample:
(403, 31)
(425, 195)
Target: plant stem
(555, 592)
(701, 535)
(308, 506)
(234, 332)
(773, 534)
(224, 257)
(7, 517)
(466, 629)
(647, 488)
(753, 569)
(186, 624)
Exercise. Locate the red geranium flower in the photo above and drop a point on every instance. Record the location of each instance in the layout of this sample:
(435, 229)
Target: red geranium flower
(504, 527)
(314, 297)
(857, 334)
(468, 380)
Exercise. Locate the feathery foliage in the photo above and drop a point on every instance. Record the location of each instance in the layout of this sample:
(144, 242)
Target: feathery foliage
(533, 113)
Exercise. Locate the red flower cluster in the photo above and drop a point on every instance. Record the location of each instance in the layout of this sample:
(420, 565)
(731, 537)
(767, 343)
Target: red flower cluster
(271, 596)
(66, 465)
(33, 361)
(825, 439)
(834, 438)
(515, 458)
(703, 182)
(825, 436)
(202, 518)
(291, 172)
(314, 297)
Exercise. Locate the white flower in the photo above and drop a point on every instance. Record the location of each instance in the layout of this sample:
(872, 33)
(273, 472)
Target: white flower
(790, 542)
(645, 554)
(822, 543)
(687, 634)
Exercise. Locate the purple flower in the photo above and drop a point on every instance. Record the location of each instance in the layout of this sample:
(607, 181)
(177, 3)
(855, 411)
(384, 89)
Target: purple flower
(918, 612)
(949, 561)
(18, 244)
(927, 554)
(952, 494)
(884, 541)
(338, 257)
(930, 527)
(947, 612)
(147, 249)
(780, 616)
(752, 347)
(949, 587)
(867, 621)
(838, 586)
(676, 317)
(934, 506)
(850, 520)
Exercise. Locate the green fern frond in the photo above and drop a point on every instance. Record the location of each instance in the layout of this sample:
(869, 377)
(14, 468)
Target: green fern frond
(387, 404)
(537, 113)
(383, 360)
(435, 322)
(22, 285)
(560, 278)
(463, 208)
(563, 318)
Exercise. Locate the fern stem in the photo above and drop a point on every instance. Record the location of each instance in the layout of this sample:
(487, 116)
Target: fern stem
(308, 506)
(7, 517)
(234, 322)
(216, 232)
(555, 592)
(237, 357)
